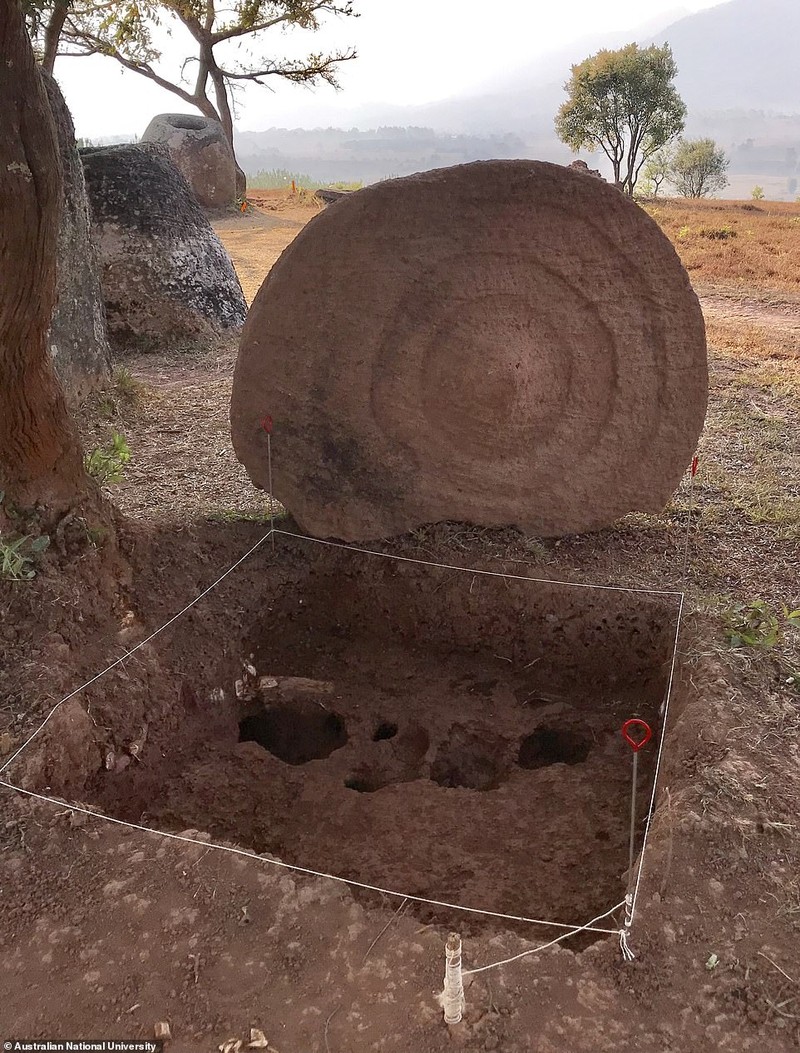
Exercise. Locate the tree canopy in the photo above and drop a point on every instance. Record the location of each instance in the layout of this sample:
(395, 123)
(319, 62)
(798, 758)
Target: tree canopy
(623, 102)
(698, 167)
(129, 30)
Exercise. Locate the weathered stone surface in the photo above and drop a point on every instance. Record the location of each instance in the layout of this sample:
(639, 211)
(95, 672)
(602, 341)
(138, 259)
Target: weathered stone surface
(330, 196)
(78, 340)
(167, 280)
(581, 166)
(503, 343)
(201, 153)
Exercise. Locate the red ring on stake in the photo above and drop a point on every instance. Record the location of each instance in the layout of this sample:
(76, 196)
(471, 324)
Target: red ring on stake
(266, 424)
(636, 725)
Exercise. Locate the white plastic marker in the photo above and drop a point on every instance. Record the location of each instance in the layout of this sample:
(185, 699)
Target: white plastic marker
(642, 733)
(266, 424)
(452, 997)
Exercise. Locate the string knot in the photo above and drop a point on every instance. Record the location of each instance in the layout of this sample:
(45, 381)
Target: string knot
(627, 953)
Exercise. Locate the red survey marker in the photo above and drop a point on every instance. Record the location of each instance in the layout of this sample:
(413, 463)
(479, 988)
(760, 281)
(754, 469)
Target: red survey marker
(637, 733)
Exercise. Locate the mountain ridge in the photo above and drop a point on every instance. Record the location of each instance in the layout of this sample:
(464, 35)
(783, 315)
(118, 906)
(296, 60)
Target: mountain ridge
(736, 73)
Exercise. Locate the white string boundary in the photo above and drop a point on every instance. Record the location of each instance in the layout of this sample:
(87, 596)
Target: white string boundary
(543, 947)
(486, 573)
(571, 929)
(291, 866)
(659, 755)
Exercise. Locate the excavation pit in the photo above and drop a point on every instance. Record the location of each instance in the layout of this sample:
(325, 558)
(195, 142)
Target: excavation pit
(548, 745)
(295, 734)
(453, 736)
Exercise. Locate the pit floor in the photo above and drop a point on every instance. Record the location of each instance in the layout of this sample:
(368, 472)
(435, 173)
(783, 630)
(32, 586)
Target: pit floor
(469, 749)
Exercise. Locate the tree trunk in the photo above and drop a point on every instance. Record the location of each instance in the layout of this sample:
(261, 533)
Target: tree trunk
(226, 120)
(40, 457)
(52, 34)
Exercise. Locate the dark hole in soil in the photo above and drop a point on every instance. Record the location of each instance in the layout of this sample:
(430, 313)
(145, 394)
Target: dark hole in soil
(485, 681)
(553, 746)
(295, 734)
(472, 760)
(384, 731)
(361, 785)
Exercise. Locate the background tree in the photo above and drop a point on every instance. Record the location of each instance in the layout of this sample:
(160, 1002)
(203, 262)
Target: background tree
(698, 168)
(40, 457)
(624, 103)
(656, 171)
(126, 31)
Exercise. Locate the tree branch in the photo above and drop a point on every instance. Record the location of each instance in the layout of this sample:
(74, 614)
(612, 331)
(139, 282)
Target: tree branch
(52, 34)
(309, 21)
(91, 45)
(298, 73)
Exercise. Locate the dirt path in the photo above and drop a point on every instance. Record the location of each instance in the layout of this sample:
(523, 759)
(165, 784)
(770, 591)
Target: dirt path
(779, 314)
(256, 239)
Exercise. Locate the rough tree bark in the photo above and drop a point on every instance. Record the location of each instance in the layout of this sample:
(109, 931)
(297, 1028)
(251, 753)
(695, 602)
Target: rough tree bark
(52, 34)
(40, 456)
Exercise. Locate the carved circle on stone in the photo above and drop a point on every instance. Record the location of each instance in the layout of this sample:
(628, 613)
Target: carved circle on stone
(502, 343)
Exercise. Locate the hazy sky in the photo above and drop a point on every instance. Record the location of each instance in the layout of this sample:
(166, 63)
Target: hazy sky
(410, 51)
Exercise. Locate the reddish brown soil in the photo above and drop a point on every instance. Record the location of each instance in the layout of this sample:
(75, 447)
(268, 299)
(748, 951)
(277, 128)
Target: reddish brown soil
(107, 930)
(470, 750)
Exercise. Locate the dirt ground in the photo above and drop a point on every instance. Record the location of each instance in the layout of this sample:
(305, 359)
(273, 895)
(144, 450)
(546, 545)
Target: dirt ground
(464, 747)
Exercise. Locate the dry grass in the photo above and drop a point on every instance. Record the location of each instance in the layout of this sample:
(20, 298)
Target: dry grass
(743, 258)
(285, 201)
(738, 245)
(768, 357)
(256, 238)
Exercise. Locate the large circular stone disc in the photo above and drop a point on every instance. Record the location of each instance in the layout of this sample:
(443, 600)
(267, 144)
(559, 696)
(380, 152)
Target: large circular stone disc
(502, 343)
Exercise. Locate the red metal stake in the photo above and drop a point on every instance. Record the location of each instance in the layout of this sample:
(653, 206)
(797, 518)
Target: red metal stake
(637, 733)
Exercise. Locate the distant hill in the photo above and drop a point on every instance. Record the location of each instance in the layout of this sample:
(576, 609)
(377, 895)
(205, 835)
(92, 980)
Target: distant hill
(737, 74)
(333, 154)
(738, 77)
(742, 55)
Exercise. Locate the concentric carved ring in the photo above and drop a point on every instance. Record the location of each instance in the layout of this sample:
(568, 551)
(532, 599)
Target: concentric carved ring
(503, 343)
